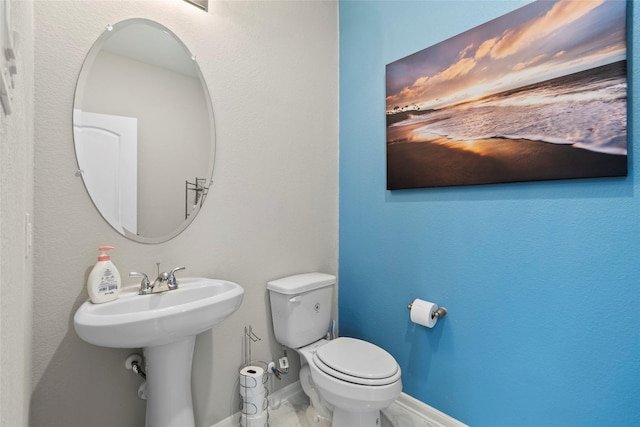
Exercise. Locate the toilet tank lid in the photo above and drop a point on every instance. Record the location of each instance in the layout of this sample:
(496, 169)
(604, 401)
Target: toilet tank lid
(300, 283)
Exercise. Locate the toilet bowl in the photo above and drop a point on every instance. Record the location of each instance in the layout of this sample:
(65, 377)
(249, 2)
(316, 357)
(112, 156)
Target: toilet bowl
(355, 378)
(348, 380)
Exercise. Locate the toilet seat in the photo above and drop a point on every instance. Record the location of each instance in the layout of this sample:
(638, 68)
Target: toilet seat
(358, 362)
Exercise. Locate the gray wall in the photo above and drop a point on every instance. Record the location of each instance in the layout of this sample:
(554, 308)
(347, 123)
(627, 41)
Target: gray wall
(272, 69)
(16, 201)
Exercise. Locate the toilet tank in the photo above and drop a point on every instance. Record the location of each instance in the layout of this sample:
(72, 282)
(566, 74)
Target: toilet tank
(301, 307)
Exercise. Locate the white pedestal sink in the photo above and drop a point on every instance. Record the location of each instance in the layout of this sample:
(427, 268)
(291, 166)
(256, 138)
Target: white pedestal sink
(165, 325)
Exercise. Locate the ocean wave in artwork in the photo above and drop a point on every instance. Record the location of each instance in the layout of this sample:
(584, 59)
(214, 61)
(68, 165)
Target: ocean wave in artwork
(587, 110)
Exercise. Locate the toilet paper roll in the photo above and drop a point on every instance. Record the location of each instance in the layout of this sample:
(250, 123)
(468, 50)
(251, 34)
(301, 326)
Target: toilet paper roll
(254, 420)
(255, 407)
(422, 313)
(252, 392)
(251, 376)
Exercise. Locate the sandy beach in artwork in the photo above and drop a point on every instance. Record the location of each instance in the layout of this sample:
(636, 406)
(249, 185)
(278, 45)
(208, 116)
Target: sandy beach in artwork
(438, 161)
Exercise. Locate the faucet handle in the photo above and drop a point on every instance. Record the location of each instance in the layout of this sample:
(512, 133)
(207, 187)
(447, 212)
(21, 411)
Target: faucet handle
(145, 285)
(172, 282)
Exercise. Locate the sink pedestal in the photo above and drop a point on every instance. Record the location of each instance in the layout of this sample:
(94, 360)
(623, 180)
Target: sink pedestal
(168, 369)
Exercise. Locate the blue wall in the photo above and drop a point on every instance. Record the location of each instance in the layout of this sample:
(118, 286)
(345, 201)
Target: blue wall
(541, 279)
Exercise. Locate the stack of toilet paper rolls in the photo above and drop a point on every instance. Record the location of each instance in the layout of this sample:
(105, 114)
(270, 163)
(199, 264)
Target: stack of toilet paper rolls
(255, 412)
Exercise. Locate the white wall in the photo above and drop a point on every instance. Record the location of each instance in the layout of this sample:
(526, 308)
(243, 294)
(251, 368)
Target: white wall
(16, 200)
(272, 69)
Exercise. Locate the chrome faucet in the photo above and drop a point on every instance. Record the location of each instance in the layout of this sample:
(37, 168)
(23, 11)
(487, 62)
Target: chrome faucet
(172, 282)
(146, 287)
(162, 278)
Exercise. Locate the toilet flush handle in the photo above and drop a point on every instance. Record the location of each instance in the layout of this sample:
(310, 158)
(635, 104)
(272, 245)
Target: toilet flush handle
(296, 300)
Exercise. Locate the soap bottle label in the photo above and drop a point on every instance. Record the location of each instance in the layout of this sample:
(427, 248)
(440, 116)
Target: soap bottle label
(108, 284)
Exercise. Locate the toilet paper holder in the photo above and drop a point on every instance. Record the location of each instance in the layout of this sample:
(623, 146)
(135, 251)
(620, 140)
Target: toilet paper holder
(438, 314)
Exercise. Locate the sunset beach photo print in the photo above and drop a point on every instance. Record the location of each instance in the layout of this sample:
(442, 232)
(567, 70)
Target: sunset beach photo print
(537, 94)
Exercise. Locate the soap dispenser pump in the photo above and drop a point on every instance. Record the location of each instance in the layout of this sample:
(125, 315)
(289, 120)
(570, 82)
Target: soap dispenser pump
(103, 284)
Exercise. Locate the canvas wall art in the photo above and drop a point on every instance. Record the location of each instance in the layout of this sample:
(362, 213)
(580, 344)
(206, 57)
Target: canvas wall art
(536, 94)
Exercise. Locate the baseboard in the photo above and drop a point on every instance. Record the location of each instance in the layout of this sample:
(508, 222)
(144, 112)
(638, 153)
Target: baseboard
(429, 414)
(405, 404)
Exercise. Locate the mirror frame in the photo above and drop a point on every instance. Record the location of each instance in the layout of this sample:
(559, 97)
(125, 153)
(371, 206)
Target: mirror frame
(78, 94)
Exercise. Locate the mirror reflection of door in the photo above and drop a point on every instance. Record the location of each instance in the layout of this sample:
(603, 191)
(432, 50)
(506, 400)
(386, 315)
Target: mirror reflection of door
(108, 153)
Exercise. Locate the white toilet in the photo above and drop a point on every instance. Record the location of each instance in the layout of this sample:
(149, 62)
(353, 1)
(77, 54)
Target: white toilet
(347, 380)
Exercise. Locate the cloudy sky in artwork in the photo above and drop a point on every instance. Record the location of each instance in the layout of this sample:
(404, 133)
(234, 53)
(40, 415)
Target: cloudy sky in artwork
(540, 41)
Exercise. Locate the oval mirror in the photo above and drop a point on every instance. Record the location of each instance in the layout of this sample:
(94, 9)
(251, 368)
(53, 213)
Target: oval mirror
(143, 131)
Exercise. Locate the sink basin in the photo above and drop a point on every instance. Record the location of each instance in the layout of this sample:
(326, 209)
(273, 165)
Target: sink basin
(135, 320)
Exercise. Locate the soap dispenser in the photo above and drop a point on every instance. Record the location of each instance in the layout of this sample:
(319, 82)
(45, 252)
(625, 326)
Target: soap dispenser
(103, 284)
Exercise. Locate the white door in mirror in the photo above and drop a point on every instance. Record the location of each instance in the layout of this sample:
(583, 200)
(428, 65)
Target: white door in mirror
(107, 150)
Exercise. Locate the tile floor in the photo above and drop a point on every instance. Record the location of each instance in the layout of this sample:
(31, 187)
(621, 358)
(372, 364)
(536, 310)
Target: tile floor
(292, 413)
